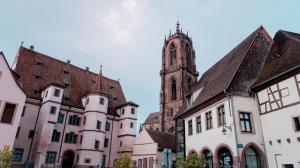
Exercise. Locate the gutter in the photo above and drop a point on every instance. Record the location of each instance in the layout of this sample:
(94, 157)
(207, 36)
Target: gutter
(274, 77)
(230, 101)
(63, 135)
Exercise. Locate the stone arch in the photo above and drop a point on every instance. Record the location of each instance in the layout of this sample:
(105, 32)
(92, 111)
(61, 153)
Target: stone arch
(219, 148)
(203, 151)
(68, 158)
(257, 149)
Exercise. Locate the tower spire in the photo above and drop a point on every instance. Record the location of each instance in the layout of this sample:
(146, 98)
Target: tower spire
(100, 79)
(177, 27)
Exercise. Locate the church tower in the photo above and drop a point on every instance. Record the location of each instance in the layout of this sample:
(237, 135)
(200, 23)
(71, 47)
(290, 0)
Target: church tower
(178, 75)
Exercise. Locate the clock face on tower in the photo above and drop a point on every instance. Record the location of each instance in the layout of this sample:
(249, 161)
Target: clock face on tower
(178, 75)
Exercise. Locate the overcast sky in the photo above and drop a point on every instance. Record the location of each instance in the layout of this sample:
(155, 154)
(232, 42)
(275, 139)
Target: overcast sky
(126, 37)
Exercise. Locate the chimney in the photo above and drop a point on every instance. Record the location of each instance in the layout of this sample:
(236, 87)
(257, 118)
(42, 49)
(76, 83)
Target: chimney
(31, 47)
(68, 61)
(87, 68)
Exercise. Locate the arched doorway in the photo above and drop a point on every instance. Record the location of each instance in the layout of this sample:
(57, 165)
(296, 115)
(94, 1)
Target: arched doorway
(225, 158)
(68, 159)
(208, 157)
(252, 159)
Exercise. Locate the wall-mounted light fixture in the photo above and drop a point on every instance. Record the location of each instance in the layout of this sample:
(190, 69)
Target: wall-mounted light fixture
(225, 128)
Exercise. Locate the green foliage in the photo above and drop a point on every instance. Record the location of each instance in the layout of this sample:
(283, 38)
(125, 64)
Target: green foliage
(123, 162)
(5, 157)
(191, 161)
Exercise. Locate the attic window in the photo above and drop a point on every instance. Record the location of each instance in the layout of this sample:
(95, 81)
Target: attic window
(36, 88)
(276, 55)
(115, 98)
(66, 96)
(93, 81)
(38, 62)
(67, 78)
(111, 87)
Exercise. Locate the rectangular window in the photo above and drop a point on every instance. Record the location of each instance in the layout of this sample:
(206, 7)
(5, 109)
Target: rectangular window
(140, 162)
(103, 160)
(60, 118)
(17, 155)
(50, 157)
(190, 124)
(245, 122)
(123, 111)
(198, 124)
(87, 101)
(55, 136)
(56, 92)
(132, 110)
(107, 126)
(106, 142)
(52, 110)
(98, 125)
(131, 125)
(121, 125)
(67, 78)
(151, 162)
(87, 160)
(144, 162)
(18, 132)
(8, 113)
(84, 120)
(31, 134)
(97, 144)
(101, 100)
(23, 112)
(221, 116)
(74, 120)
(297, 123)
(208, 120)
(71, 138)
(81, 138)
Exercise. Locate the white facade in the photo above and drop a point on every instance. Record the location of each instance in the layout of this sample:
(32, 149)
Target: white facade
(235, 140)
(279, 106)
(10, 94)
(38, 116)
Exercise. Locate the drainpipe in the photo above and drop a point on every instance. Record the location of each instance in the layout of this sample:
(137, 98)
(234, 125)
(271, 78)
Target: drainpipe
(265, 150)
(63, 135)
(231, 108)
(31, 143)
(112, 130)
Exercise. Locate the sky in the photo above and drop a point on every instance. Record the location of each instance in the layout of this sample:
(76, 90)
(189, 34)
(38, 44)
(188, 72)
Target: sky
(126, 36)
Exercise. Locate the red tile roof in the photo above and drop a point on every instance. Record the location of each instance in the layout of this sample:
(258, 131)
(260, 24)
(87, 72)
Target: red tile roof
(52, 70)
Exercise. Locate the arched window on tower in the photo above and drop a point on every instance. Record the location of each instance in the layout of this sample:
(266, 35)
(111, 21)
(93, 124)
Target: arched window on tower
(173, 89)
(188, 55)
(189, 83)
(172, 54)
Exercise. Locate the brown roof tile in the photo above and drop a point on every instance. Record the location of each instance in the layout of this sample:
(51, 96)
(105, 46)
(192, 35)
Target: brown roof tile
(152, 118)
(52, 70)
(283, 57)
(164, 140)
(236, 71)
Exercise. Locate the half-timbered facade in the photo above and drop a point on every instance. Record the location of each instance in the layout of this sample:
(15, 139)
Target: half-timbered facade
(278, 97)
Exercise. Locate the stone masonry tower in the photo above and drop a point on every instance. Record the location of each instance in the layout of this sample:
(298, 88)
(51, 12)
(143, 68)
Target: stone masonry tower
(178, 75)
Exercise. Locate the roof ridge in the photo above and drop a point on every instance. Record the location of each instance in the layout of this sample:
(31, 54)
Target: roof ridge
(260, 28)
(58, 60)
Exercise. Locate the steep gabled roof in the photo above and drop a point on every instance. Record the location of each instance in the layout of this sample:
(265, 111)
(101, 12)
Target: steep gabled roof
(283, 57)
(164, 140)
(152, 118)
(52, 70)
(13, 73)
(225, 73)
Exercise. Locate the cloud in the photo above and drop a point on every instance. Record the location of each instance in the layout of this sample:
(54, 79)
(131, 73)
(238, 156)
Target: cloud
(124, 20)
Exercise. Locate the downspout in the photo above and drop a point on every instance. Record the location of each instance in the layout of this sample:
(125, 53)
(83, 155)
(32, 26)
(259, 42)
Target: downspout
(265, 150)
(36, 121)
(230, 101)
(112, 129)
(63, 134)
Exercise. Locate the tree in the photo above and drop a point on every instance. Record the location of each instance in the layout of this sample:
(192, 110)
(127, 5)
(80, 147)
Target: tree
(5, 157)
(123, 162)
(191, 161)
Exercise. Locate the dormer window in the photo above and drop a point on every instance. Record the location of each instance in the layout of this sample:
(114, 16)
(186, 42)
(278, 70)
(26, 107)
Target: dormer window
(66, 96)
(38, 70)
(67, 78)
